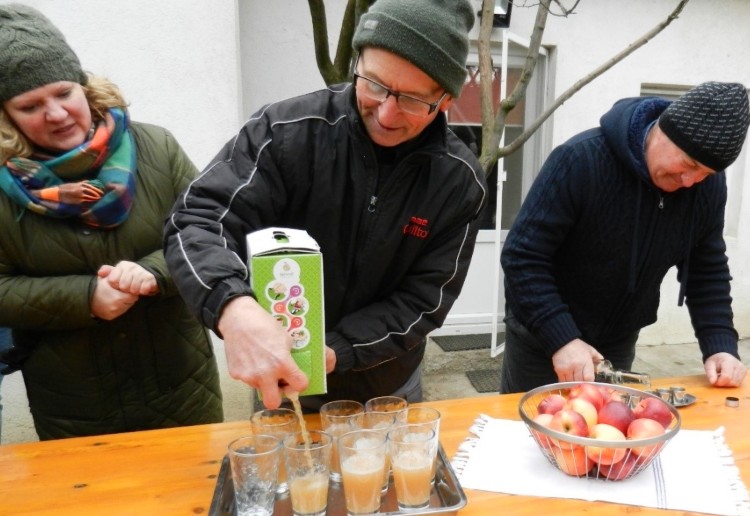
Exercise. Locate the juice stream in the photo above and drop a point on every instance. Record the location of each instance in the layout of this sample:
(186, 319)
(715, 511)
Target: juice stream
(294, 398)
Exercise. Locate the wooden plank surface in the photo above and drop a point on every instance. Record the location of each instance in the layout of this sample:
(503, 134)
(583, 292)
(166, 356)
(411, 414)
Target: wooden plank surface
(174, 471)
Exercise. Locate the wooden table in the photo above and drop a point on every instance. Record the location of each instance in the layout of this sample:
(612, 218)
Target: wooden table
(174, 471)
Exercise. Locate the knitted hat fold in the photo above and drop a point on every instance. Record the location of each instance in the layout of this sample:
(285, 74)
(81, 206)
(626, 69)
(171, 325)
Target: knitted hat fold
(33, 52)
(431, 34)
(709, 123)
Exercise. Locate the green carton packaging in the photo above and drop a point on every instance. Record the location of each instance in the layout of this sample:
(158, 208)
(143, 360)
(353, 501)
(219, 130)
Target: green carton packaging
(286, 269)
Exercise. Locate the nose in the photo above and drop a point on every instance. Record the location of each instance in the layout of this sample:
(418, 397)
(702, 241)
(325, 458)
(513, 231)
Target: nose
(691, 177)
(55, 112)
(388, 111)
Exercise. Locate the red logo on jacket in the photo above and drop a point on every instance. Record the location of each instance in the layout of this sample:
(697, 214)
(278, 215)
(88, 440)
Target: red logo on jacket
(417, 227)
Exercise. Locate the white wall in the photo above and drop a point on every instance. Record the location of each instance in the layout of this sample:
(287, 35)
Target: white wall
(176, 61)
(200, 67)
(708, 41)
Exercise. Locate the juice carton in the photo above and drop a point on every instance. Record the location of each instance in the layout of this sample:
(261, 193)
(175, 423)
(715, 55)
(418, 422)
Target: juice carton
(286, 268)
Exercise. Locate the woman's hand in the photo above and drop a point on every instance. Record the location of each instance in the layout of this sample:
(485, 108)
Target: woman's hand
(109, 303)
(130, 278)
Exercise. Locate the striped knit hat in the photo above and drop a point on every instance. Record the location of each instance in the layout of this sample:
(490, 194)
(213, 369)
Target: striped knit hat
(709, 123)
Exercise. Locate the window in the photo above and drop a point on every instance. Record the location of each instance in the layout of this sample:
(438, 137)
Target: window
(465, 119)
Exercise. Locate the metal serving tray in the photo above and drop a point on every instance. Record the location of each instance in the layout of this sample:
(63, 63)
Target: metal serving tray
(447, 496)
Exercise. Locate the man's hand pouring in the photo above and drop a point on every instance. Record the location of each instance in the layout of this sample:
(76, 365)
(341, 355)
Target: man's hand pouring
(258, 351)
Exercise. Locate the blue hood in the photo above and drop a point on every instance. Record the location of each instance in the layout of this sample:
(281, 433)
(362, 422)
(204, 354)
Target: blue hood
(625, 127)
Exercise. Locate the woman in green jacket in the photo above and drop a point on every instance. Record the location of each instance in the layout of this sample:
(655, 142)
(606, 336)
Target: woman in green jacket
(103, 340)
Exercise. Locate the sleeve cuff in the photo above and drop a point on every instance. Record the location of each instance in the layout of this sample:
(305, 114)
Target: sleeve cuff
(344, 354)
(219, 297)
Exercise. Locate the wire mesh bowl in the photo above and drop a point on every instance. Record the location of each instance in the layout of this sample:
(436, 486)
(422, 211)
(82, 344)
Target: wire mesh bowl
(564, 444)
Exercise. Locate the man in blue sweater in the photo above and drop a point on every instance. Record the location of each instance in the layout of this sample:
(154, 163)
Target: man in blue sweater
(612, 210)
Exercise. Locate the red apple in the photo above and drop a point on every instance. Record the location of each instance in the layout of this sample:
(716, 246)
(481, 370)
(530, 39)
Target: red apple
(585, 408)
(605, 454)
(551, 404)
(573, 462)
(643, 428)
(589, 392)
(654, 408)
(569, 422)
(620, 470)
(617, 414)
(615, 395)
(543, 439)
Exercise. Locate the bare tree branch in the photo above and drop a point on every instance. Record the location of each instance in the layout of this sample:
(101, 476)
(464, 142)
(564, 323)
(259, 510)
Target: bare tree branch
(492, 131)
(493, 123)
(320, 37)
(337, 70)
(523, 137)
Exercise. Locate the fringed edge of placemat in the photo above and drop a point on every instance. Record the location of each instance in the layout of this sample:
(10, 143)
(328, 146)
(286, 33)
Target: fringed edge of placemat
(742, 496)
(463, 453)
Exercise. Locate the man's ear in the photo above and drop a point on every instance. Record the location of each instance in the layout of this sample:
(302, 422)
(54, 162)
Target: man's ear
(446, 104)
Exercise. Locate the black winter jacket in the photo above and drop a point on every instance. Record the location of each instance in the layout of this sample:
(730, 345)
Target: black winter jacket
(395, 255)
(594, 239)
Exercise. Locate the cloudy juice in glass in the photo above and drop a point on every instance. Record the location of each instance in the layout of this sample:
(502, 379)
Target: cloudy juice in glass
(362, 456)
(337, 418)
(413, 449)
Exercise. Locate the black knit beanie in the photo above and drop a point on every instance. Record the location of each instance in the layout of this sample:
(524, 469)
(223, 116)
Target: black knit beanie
(431, 34)
(33, 52)
(709, 123)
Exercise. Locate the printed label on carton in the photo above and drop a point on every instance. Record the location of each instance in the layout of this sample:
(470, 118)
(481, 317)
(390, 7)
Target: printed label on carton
(286, 269)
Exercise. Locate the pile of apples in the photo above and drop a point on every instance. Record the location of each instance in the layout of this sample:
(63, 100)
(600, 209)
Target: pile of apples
(598, 412)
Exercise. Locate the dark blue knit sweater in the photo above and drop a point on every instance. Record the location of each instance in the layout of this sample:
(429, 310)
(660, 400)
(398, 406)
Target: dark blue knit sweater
(594, 239)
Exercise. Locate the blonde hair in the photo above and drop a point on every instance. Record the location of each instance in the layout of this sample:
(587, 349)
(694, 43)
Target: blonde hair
(101, 94)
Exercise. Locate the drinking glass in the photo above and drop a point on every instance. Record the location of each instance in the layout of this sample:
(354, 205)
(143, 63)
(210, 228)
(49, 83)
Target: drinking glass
(337, 418)
(392, 404)
(362, 458)
(429, 417)
(280, 423)
(413, 449)
(307, 456)
(381, 422)
(254, 462)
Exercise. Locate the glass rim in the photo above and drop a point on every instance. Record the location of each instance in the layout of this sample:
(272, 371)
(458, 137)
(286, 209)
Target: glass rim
(272, 441)
(381, 437)
(297, 438)
(393, 433)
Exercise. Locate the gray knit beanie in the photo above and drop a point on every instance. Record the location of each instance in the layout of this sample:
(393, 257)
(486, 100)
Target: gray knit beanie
(33, 52)
(709, 123)
(431, 34)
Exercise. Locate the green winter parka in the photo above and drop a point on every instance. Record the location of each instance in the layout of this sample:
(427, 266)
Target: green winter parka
(152, 367)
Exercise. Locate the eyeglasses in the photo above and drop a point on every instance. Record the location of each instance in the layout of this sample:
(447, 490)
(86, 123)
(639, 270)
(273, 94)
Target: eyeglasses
(412, 105)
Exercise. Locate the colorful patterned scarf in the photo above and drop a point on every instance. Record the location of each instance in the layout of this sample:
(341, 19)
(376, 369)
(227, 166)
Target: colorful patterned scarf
(103, 168)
